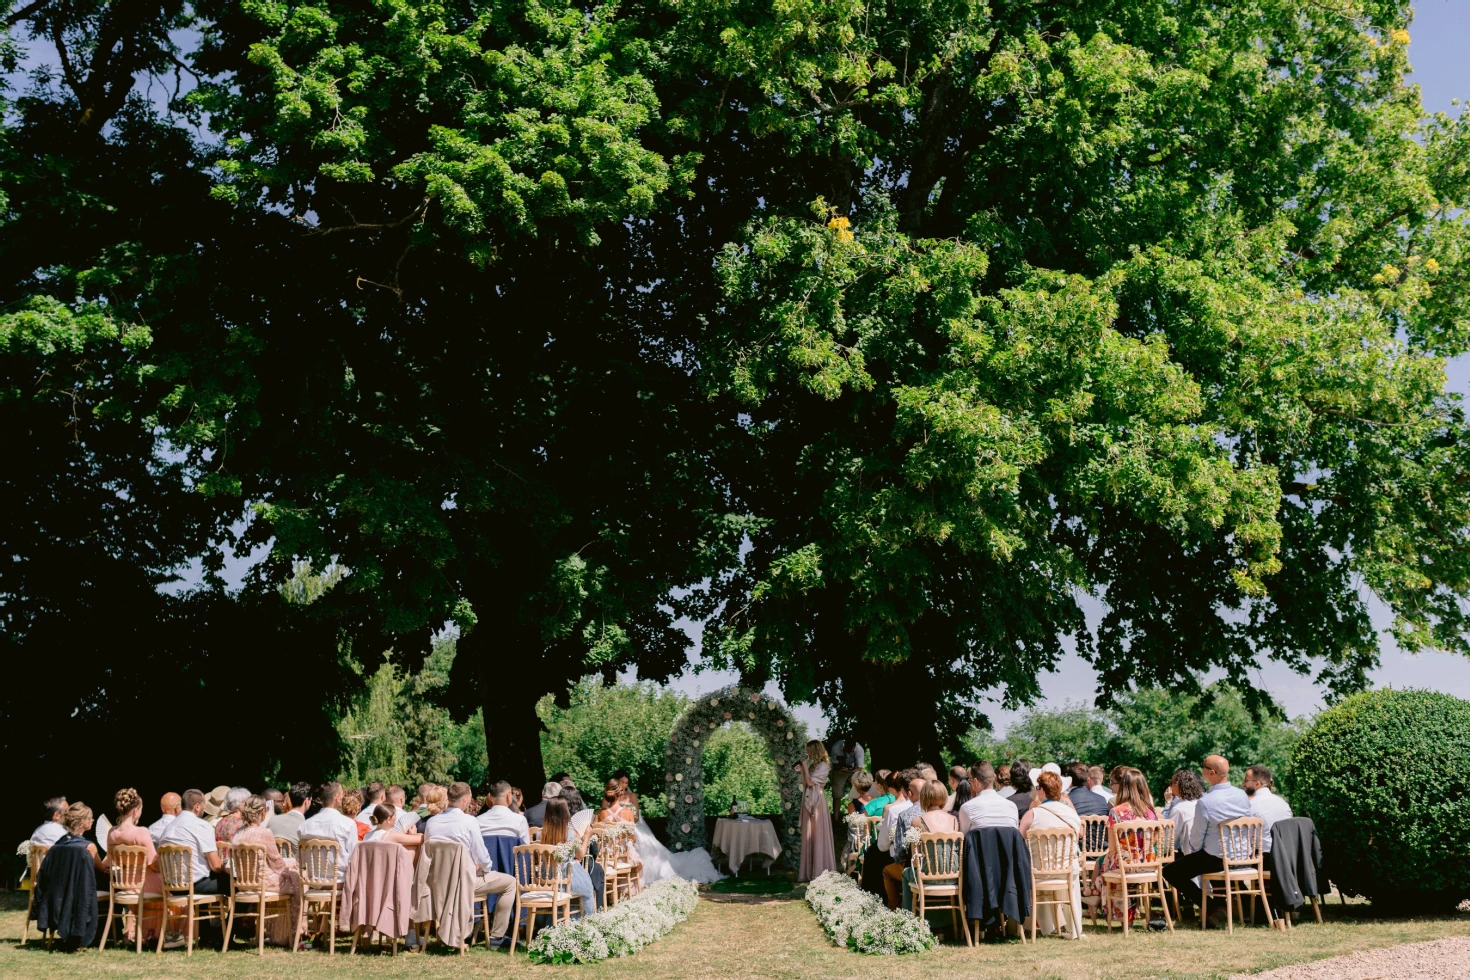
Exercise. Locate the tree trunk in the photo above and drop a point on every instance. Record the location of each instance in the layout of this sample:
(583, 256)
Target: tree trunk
(889, 708)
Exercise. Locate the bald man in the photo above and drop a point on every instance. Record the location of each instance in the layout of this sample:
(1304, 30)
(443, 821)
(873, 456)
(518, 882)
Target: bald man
(1220, 803)
(171, 804)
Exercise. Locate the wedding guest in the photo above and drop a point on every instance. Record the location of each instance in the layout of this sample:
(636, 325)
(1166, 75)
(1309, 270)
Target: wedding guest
(898, 850)
(1021, 788)
(279, 874)
(1220, 803)
(1095, 782)
(230, 819)
(286, 825)
(963, 793)
(817, 853)
(1003, 785)
(214, 804)
(331, 823)
(385, 821)
(351, 806)
(1083, 800)
(1053, 812)
(934, 819)
(75, 822)
(499, 819)
(581, 813)
(170, 804)
(127, 805)
(1052, 767)
(276, 799)
(536, 816)
(1259, 786)
(876, 806)
(898, 783)
(957, 775)
(1185, 790)
(406, 820)
(986, 808)
(456, 825)
(1132, 802)
(517, 800)
(52, 829)
(191, 830)
(556, 828)
(372, 794)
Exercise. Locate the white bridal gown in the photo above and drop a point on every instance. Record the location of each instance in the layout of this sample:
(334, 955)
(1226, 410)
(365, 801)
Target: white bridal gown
(659, 862)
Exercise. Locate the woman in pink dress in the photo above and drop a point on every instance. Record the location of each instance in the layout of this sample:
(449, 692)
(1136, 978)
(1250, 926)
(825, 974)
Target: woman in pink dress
(280, 873)
(129, 807)
(817, 853)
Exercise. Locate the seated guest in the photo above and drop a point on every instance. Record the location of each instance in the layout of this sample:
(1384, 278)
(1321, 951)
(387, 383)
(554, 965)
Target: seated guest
(71, 875)
(1096, 782)
(898, 783)
(1052, 812)
(1003, 785)
(279, 874)
(75, 823)
(190, 830)
(52, 829)
(963, 793)
(581, 813)
(897, 849)
(277, 801)
(128, 807)
(986, 808)
(1052, 767)
(456, 825)
(405, 820)
(517, 800)
(1220, 803)
(556, 828)
(862, 791)
(352, 806)
(1133, 802)
(230, 820)
(286, 825)
(935, 819)
(1184, 791)
(372, 794)
(499, 819)
(1085, 801)
(170, 804)
(1021, 788)
(1259, 786)
(876, 806)
(536, 816)
(385, 820)
(957, 775)
(330, 823)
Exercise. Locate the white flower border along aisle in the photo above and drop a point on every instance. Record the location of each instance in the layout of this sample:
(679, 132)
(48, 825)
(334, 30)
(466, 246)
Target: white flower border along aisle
(857, 920)
(621, 930)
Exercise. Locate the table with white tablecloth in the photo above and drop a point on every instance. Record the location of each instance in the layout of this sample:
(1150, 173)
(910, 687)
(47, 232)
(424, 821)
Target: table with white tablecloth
(740, 837)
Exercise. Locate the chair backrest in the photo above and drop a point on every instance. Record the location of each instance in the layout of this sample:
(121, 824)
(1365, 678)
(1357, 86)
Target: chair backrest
(939, 856)
(1138, 844)
(129, 867)
(38, 854)
(1053, 850)
(287, 847)
(223, 847)
(537, 869)
(1170, 841)
(612, 844)
(316, 861)
(873, 823)
(176, 867)
(535, 834)
(247, 867)
(1240, 841)
(1094, 836)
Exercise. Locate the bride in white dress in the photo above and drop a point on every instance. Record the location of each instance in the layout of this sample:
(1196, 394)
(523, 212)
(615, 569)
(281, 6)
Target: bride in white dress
(658, 861)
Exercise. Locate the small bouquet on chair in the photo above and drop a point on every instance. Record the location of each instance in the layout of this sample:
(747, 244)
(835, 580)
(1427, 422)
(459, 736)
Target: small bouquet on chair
(857, 824)
(565, 851)
(911, 837)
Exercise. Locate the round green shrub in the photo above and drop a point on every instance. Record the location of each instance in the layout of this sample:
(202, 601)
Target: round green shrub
(1383, 775)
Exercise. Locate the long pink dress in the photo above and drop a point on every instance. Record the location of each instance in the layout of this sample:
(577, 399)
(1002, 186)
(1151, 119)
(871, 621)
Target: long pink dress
(280, 876)
(817, 853)
(135, 836)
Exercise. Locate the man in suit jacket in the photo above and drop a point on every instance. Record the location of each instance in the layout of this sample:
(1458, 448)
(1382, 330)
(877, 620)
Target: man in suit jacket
(536, 815)
(1085, 801)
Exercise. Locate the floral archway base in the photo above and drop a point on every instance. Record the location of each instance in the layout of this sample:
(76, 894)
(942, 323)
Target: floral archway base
(785, 738)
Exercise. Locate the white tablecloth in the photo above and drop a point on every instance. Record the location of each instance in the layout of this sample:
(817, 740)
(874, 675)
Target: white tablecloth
(738, 839)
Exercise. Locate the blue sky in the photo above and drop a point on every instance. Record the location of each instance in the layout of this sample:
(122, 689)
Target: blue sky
(1439, 50)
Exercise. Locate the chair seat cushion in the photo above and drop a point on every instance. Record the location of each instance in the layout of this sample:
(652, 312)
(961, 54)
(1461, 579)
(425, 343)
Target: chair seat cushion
(1131, 876)
(256, 897)
(545, 896)
(197, 899)
(1243, 875)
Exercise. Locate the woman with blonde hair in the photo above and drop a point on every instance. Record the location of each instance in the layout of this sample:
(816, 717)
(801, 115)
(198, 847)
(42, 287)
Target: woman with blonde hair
(279, 874)
(817, 853)
(127, 804)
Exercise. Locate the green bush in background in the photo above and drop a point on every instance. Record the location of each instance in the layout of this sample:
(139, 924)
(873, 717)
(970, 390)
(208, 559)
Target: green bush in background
(1384, 777)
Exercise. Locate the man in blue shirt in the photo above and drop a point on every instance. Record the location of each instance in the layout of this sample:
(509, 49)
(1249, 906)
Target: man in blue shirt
(1220, 803)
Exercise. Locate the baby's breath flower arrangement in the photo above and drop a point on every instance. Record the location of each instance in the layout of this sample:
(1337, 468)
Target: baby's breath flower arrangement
(858, 921)
(621, 930)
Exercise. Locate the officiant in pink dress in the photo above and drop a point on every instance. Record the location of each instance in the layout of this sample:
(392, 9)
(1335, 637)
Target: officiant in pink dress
(817, 853)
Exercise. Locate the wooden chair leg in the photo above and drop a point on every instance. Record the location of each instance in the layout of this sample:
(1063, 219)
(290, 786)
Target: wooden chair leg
(1317, 909)
(260, 921)
(107, 926)
(1229, 909)
(230, 924)
(1266, 905)
(1204, 904)
(515, 917)
(332, 925)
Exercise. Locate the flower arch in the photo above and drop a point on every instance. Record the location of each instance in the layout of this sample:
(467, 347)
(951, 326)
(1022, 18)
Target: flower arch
(769, 718)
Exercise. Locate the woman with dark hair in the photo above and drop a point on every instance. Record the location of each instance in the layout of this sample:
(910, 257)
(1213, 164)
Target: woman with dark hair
(1021, 783)
(1185, 790)
(556, 828)
(964, 791)
(1133, 802)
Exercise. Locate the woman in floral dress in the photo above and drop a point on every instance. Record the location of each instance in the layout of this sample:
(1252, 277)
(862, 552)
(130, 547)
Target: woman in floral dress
(1133, 802)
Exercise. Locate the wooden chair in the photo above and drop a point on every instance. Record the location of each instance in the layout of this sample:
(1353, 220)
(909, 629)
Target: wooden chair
(1138, 847)
(1056, 867)
(542, 884)
(287, 848)
(1170, 852)
(1241, 872)
(125, 890)
(316, 862)
(1093, 844)
(939, 865)
(443, 850)
(618, 872)
(247, 887)
(1285, 917)
(36, 856)
(176, 870)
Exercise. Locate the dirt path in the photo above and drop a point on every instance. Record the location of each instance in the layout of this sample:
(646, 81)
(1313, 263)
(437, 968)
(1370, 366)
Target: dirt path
(1443, 959)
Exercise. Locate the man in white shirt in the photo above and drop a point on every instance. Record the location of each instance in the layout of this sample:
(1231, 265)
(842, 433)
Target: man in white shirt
(171, 804)
(499, 819)
(51, 830)
(987, 808)
(1095, 776)
(190, 830)
(456, 825)
(407, 819)
(1265, 804)
(330, 823)
(288, 825)
(901, 802)
(373, 794)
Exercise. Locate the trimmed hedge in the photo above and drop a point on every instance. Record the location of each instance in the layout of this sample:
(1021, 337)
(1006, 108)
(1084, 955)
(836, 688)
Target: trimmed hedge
(1384, 777)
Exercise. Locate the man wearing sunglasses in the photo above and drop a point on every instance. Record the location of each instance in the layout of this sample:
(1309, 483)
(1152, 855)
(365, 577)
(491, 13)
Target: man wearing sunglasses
(1220, 803)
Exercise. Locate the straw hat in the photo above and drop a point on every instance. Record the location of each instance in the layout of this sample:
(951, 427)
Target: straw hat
(214, 803)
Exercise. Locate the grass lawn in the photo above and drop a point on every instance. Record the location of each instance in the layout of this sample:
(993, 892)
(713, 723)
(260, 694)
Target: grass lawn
(739, 936)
